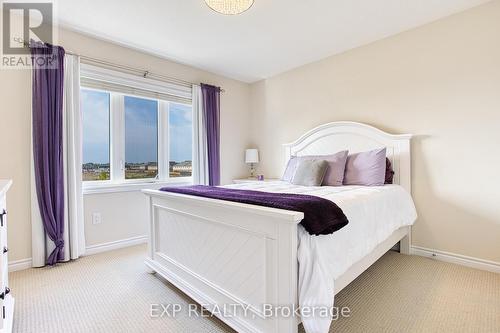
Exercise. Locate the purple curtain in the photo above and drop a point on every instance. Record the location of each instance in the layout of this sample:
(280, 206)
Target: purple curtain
(47, 99)
(211, 112)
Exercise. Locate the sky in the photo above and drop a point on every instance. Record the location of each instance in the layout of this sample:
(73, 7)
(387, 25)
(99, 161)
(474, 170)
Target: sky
(140, 129)
(181, 132)
(95, 111)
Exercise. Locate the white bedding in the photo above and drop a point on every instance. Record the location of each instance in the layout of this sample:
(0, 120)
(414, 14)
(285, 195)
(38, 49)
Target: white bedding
(374, 213)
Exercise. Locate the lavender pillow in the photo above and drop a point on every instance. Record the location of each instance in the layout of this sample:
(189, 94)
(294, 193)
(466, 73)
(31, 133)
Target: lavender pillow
(366, 168)
(334, 174)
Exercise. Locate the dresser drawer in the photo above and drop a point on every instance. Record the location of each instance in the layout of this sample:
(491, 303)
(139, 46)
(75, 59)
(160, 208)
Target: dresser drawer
(4, 262)
(3, 214)
(3, 230)
(4, 272)
(3, 222)
(4, 275)
(6, 301)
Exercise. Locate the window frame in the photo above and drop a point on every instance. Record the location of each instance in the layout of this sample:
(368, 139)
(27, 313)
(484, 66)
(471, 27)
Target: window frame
(117, 181)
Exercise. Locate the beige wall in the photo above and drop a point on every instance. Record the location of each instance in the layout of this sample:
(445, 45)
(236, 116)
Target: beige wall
(123, 215)
(440, 82)
(15, 157)
(15, 143)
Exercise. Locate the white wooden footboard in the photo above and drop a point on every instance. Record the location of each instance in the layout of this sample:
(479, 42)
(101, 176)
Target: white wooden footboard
(229, 257)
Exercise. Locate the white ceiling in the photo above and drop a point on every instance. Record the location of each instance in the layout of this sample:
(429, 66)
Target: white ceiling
(270, 38)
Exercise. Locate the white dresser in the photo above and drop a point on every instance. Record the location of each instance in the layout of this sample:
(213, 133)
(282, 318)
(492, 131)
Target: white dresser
(6, 299)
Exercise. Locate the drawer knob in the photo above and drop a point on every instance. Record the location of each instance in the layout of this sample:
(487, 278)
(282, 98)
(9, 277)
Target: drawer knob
(5, 249)
(1, 216)
(5, 293)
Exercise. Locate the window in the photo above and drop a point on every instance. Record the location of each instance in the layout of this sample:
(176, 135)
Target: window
(132, 134)
(181, 140)
(141, 138)
(95, 110)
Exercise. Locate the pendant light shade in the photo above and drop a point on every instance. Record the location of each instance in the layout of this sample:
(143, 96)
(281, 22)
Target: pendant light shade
(229, 7)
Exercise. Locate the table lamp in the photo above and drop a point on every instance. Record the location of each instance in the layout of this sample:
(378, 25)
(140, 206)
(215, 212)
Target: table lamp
(252, 157)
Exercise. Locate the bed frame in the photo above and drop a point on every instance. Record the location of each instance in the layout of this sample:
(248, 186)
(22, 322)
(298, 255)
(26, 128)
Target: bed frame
(232, 258)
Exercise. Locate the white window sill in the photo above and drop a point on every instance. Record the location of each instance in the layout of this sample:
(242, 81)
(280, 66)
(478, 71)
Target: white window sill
(89, 188)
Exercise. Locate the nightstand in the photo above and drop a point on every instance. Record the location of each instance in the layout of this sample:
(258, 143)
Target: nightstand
(253, 180)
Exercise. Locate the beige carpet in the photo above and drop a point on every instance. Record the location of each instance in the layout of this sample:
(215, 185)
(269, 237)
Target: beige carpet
(111, 292)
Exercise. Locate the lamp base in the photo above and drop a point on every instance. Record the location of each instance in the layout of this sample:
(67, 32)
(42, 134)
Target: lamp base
(252, 170)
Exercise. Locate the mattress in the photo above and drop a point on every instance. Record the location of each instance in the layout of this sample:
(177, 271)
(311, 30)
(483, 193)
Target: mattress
(374, 213)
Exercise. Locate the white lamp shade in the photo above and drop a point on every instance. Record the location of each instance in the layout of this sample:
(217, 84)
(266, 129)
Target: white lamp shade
(252, 156)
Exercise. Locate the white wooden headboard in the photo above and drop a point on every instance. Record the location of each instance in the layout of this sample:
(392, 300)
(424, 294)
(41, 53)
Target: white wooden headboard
(356, 137)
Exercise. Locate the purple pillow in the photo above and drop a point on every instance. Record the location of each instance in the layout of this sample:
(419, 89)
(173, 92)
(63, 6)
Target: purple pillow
(389, 172)
(334, 175)
(366, 168)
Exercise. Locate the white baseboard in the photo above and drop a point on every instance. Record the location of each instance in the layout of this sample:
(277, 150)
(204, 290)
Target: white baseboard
(454, 258)
(19, 265)
(459, 259)
(98, 248)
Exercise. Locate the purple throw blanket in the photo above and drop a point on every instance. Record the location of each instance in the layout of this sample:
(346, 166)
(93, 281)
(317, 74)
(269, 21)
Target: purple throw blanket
(321, 216)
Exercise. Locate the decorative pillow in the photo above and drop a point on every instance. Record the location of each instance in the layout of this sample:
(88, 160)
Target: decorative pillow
(310, 172)
(334, 174)
(389, 172)
(366, 168)
(290, 169)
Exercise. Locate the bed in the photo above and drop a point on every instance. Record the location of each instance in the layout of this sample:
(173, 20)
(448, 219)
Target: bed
(235, 259)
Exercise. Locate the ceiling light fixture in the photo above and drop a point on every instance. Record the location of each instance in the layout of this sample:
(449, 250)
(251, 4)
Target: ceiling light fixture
(229, 7)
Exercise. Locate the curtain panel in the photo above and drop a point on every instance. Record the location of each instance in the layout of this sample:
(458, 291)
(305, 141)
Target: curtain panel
(47, 102)
(200, 152)
(57, 201)
(211, 114)
(74, 234)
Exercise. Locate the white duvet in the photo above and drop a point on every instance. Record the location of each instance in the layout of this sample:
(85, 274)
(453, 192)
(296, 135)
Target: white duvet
(374, 213)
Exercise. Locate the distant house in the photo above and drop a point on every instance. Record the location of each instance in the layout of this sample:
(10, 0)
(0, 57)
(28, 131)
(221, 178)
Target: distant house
(151, 166)
(183, 169)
